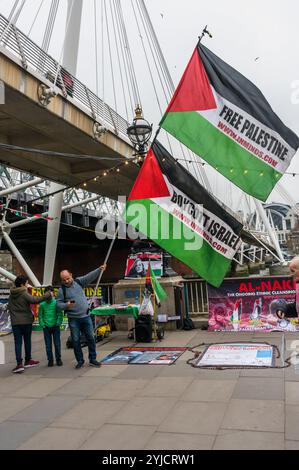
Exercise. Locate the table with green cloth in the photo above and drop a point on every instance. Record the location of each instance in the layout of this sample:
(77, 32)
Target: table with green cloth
(108, 310)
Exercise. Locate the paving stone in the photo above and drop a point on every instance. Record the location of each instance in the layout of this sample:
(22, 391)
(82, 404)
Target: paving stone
(82, 386)
(172, 441)
(106, 371)
(11, 406)
(144, 411)
(12, 435)
(118, 389)
(291, 374)
(291, 445)
(165, 387)
(136, 371)
(255, 415)
(210, 390)
(207, 374)
(89, 414)
(267, 373)
(259, 389)
(178, 369)
(292, 423)
(119, 437)
(9, 385)
(56, 439)
(248, 440)
(46, 409)
(40, 388)
(194, 418)
(292, 393)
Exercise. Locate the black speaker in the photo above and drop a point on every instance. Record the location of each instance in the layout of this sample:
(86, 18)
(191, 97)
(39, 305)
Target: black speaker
(143, 329)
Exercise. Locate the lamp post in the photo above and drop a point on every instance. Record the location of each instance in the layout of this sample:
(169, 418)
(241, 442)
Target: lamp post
(140, 132)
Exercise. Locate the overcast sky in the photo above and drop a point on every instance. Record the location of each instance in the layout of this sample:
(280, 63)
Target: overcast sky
(259, 38)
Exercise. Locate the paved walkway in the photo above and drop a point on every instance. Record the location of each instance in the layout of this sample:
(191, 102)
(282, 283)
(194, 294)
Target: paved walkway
(149, 407)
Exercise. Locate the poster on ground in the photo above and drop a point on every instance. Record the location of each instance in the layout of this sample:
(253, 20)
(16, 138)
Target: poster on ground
(5, 323)
(144, 355)
(137, 265)
(248, 304)
(237, 355)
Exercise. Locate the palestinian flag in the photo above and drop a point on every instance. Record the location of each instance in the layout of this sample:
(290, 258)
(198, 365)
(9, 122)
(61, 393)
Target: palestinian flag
(170, 207)
(153, 285)
(226, 120)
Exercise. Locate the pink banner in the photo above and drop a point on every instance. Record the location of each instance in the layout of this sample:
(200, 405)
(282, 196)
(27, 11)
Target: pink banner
(253, 304)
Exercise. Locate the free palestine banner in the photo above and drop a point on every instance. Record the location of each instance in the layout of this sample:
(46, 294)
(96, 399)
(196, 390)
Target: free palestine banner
(225, 119)
(170, 207)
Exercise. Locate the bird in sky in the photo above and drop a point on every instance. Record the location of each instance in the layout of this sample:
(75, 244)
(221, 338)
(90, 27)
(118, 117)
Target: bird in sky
(162, 15)
(257, 58)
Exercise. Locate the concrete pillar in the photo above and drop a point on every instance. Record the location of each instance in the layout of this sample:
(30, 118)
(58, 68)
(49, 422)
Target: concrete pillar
(73, 27)
(55, 208)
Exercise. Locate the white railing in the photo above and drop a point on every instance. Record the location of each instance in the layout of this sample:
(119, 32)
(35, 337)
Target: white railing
(32, 56)
(197, 293)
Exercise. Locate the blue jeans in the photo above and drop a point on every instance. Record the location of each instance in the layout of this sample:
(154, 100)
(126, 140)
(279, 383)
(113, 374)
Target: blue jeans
(84, 325)
(49, 333)
(21, 332)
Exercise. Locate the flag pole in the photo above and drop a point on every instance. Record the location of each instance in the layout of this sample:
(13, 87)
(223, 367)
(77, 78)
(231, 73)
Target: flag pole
(204, 32)
(105, 262)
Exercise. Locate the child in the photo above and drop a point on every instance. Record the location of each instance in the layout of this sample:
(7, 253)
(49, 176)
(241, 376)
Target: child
(50, 319)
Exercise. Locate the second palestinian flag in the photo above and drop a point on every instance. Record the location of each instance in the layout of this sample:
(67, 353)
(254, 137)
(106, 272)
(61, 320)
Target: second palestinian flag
(226, 120)
(171, 208)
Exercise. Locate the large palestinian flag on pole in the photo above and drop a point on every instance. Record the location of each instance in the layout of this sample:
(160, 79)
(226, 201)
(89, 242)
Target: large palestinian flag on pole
(170, 207)
(226, 120)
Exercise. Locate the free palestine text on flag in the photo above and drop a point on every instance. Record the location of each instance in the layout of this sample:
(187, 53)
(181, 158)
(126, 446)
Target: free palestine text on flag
(169, 206)
(225, 119)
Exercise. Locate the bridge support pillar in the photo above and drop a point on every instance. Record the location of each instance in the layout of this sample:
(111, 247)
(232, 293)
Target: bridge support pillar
(55, 209)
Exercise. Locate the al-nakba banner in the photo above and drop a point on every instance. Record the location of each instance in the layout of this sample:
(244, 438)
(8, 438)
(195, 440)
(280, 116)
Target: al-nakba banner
(225, 119)
(169, 206)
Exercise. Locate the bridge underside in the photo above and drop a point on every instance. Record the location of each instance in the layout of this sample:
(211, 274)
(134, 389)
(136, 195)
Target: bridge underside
(61, 127)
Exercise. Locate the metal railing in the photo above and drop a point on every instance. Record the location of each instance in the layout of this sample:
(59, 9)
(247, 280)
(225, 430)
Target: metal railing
(197, 292)
(31, 55)
(108, 289)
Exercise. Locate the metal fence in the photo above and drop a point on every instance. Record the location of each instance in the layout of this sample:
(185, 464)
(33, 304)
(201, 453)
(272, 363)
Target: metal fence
(32, 56)
(197, 292)
(108, 289)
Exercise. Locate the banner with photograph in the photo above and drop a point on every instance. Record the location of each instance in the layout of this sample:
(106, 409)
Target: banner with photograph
(89, 292)
(253, 304)
(144, 355)
(5, 323)
(137, 265)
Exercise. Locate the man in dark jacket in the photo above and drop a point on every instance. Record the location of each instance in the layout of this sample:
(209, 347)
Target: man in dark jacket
(21, 320)
(72, 299)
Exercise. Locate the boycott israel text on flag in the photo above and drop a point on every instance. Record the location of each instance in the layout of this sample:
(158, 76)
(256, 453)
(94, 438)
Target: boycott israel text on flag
(225, 119)
(170, 207)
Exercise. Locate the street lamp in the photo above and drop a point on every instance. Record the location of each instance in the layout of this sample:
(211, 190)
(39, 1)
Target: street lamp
(139, 132)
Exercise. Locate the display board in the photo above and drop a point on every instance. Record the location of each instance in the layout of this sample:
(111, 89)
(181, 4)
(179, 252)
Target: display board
(39, 291)
(137, 265)
(5, 323)
(247, 304)
(237, 355)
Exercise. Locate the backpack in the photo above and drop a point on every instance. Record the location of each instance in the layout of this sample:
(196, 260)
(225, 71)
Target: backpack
(188, 324)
